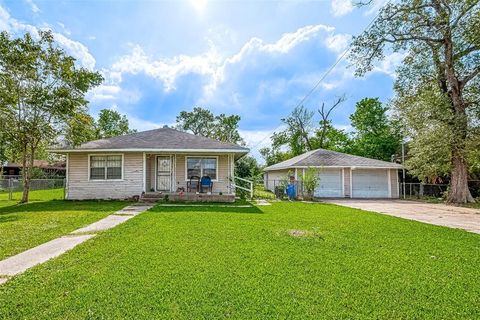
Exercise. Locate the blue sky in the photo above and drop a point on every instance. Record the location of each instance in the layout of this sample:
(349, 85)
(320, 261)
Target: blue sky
(252, 58)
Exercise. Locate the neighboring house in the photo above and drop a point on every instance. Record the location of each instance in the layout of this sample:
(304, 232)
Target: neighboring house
(50, 170)
(154, 161)
(341, 175)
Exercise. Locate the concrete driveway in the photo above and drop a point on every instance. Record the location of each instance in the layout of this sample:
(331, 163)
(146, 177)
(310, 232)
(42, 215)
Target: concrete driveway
(433, 213)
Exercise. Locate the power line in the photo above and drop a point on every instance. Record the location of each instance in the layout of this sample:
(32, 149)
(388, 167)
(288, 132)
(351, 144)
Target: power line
(317, 84)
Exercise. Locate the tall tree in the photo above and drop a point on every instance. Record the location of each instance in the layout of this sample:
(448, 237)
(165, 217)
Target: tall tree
(40, 90)
(199, 121)
(225, 129)
(80, 128)
(204, 123)
(301, 135)
(443, 43)
(111, 124)
(327, 136)
(248, 168)
(375, 135)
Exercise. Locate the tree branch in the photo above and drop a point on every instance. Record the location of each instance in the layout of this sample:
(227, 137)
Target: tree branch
(470, 76)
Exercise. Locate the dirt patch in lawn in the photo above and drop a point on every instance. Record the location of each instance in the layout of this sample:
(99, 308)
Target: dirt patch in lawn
(296, 233)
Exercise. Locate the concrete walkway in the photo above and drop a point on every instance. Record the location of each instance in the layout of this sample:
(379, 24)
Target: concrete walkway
(432, 213)
(54, 248)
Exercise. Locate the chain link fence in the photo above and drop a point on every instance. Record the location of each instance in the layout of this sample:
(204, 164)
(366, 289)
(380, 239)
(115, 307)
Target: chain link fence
(422, 190)
(279, 189)
(40, 189)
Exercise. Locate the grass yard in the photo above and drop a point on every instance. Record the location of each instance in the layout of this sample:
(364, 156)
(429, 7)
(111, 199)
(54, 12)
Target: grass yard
(24, 226)
(35, 195)
(287, 260)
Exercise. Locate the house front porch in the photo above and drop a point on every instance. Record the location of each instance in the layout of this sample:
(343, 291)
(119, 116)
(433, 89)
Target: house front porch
(187, 197)
(177, 174)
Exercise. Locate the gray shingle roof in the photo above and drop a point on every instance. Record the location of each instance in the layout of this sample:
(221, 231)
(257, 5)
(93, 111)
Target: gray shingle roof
(159, 139)
(328, 158)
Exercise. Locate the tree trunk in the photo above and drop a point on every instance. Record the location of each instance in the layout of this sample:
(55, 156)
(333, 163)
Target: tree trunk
(459, 192)
(25, 178)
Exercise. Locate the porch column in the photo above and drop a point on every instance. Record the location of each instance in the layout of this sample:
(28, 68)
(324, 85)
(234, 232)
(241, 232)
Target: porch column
(144, 172)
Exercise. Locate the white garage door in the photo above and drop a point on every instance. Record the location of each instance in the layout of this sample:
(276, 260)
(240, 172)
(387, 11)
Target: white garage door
(330, 183)
(370, 183)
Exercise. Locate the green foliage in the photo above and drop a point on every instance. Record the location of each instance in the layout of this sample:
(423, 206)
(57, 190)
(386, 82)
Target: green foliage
(274, 155)
(111, 123)
(310, 180)
(248, 168)
(261, 193)
(41, 90)
(83, 127)
(203, 122)
(331, 138)
(442, 46)
(80, 129)
(375, 135)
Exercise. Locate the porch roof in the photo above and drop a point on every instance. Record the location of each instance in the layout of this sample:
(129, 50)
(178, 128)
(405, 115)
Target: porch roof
(158, 140)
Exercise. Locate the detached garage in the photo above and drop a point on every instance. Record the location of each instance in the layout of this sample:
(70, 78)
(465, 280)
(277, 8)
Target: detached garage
(341, 175)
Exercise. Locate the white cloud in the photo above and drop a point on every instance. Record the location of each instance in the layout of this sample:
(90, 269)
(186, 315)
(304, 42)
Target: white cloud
(211, 64)
(256, 140)
(103, 92)
(390, 63)
(167, 70)
(33, 6)
(338, 42)
(72, 47)
(78, 50)
(4, 17)
(64, 29)
(341, 7)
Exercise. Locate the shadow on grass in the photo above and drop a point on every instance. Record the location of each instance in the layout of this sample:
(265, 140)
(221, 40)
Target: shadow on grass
(62, 205)
(207, 208)
(6, 218)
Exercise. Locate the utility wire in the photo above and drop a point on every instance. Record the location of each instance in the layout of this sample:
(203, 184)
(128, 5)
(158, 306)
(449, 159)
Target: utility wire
(317, 84)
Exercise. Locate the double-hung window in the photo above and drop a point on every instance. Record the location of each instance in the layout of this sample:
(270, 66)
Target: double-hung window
(202, 166)
(106, 167)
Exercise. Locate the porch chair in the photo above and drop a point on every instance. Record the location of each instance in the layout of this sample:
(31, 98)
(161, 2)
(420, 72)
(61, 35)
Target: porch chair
(194, 184)
(206, 183)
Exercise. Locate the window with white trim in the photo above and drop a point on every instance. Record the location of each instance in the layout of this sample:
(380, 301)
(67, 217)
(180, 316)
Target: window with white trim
(106, 167)
(199, 166)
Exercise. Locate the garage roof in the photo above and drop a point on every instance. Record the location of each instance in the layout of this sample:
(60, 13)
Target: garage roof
(328, 158)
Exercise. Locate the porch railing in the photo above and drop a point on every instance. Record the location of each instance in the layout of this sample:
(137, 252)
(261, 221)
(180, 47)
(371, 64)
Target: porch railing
(243, 184)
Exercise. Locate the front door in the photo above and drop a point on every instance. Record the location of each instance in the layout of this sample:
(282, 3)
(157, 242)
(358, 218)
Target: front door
(164, 173)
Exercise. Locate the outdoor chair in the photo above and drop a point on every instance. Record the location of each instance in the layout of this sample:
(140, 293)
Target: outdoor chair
(206, 183)
(194, 184)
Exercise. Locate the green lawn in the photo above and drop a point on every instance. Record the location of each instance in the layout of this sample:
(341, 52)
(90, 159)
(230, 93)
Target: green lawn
(35, 195)
(223, 262)
(23, 226)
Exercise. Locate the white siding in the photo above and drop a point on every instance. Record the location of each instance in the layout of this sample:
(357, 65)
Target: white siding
(346, 182)
(394, 183)
(79, 187)
(273, 178)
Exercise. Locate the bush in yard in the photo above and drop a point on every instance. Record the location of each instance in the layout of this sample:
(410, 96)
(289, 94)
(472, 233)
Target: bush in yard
(310, 180)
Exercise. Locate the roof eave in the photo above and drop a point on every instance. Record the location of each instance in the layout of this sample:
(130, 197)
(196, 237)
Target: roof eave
(63, 151)
(399, 167)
